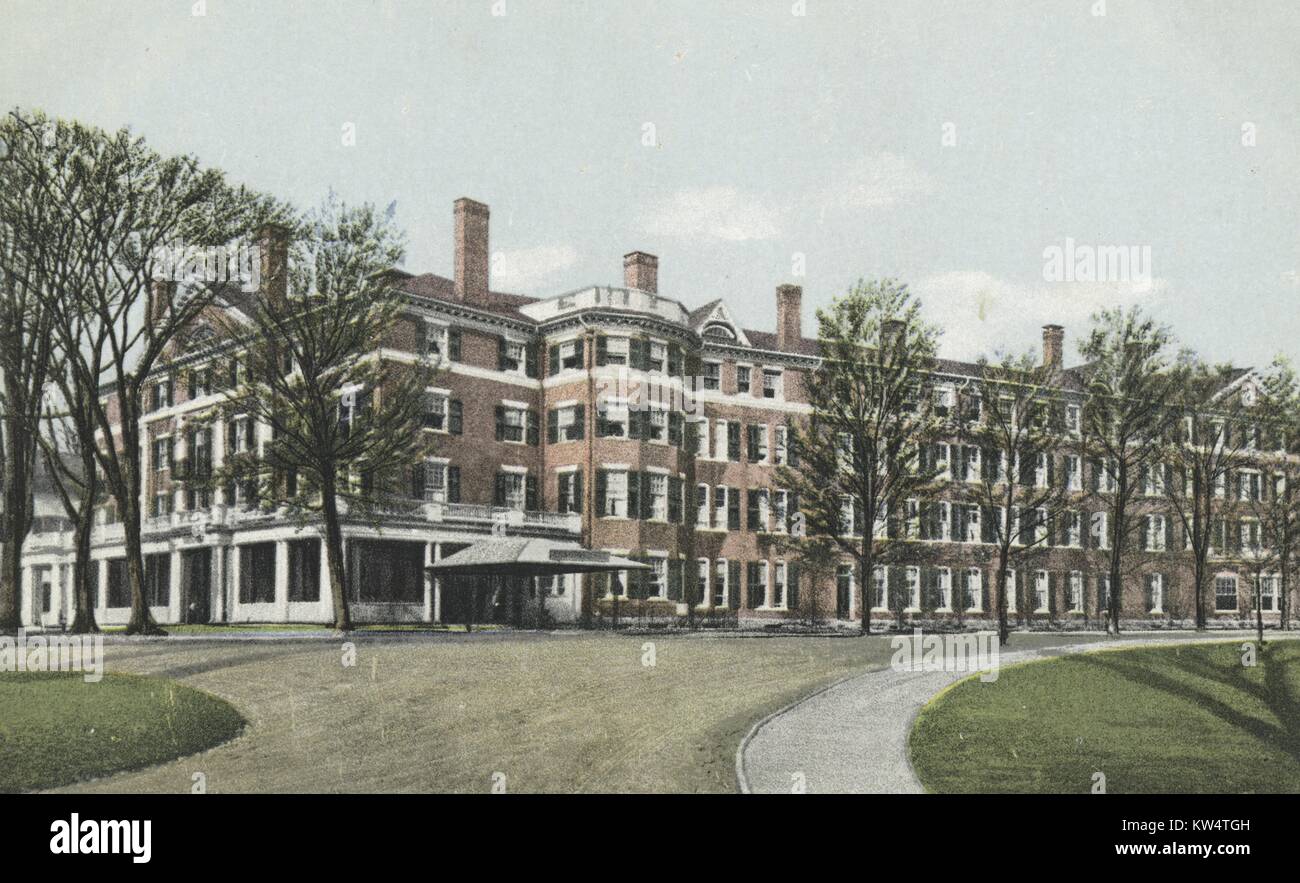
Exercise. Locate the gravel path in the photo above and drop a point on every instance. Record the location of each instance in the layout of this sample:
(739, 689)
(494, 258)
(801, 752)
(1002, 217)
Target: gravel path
(851, 737)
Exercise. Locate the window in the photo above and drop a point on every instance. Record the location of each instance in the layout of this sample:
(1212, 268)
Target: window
(658, 496)
(1042, 591)
(1074, 529)
(1073, 473)
(973, 531)
(656, 578)
(1072, 421)
(240, 432)
(615, 494)
(1156, 592)
(1041, 469)
(655, 424)
(612, 419)
(162, 394)
(118, 593)
(257, 573)
(974, 589)
(569, 488)
(1155, 533)
(702, 506)
(757, 452)
(913, 588)
(780, 511)
(944, 399)
(719, 506)
(162, 504)
(779, 450)
(1268, 593)
(429, 482)
(1153, 481)
(1225, 592)
(772, 383)
(720, 571)
(713, 376)
(779, 576)
(512, 491)
(1013, 603)
(1251, 538)
(1076, 591)
(1107, 476)
(162, 454)
(756, 583)
(435, 411)
(514, 355)
(304, 570)
(756, 509)
(516, 424)
(742, 379)
(157, 580)
(879, 588)
(701, 440)
(944, 585)
(613, 350)
(565, 424)
(200, 382)
(844, 590)
(569, 355)
(434, 341)
(453, 344)
(1252, 486)
(971, 459)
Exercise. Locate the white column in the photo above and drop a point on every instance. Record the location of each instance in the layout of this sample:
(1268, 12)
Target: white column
(324, 599)
(232, 580)
(769, 593)
(430, 557)
(175, 587)
(282, 580)
(28, 603)
(102, 580)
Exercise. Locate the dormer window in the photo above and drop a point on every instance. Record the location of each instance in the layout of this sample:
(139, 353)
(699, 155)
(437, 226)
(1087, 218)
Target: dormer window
(434, 342)
(1249, 396)
(719, 331)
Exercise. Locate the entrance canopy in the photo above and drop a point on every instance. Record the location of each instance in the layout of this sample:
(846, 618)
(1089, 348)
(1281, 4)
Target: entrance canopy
(526, 556)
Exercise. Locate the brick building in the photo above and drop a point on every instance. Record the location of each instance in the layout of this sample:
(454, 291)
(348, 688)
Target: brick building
(563, 417)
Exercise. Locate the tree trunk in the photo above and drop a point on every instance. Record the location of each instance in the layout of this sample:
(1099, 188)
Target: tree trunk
(1000, 588)
(14, 523)
(866, 579)
(83, 617)
(334, 556)
(1259, 608)
(141, 622)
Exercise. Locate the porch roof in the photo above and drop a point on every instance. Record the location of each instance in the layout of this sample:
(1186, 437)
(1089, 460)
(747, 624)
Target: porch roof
(530, 556)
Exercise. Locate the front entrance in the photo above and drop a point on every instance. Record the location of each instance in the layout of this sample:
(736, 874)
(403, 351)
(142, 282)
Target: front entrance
(843, 589)
(196, 585)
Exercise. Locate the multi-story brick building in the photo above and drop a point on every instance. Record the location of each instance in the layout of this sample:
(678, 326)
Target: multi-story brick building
(563, 417)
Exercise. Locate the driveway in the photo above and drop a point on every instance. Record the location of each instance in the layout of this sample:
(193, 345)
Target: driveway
(852, 736)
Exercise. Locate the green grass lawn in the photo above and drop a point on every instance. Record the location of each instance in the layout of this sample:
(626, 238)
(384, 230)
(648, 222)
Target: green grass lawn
(1189, 719)
(573, 712)
(56, 728)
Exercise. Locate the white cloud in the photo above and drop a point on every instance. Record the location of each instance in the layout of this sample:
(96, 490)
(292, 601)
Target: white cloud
(530, 268)
(711, 212)
(878, 180)
(982, 314)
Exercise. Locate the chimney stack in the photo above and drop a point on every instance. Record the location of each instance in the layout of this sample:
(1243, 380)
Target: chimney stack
(162, 292)
(641, 271)
(789, 305)
(471, 250)
(1053, 347)
(273, 258)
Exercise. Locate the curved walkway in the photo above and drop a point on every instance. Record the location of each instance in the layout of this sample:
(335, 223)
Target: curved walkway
(851, 737)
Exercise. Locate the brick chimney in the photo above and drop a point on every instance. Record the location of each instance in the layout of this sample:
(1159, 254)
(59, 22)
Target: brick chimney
(273, 261)
(789, 330)
(471, 250)
(641, 271)
(1053, 347)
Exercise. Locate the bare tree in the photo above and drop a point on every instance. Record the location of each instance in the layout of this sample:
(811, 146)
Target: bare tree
(1128, 413)
(345, 421)
(872, 401)
(1012, 422)
(133, 217)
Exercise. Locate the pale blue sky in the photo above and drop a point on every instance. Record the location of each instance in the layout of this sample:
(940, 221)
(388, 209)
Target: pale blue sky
(776, 134)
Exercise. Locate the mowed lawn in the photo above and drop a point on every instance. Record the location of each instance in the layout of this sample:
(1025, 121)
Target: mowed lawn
(1185, 719)
(567, 712)
(56, 728)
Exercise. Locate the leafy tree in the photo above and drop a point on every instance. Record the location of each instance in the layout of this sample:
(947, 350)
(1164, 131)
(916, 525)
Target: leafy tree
(1013, 416)
(872, 402)
(345, 420)
(127, 212)
(1210, 442)
(1128, 413)
(1277, 508)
